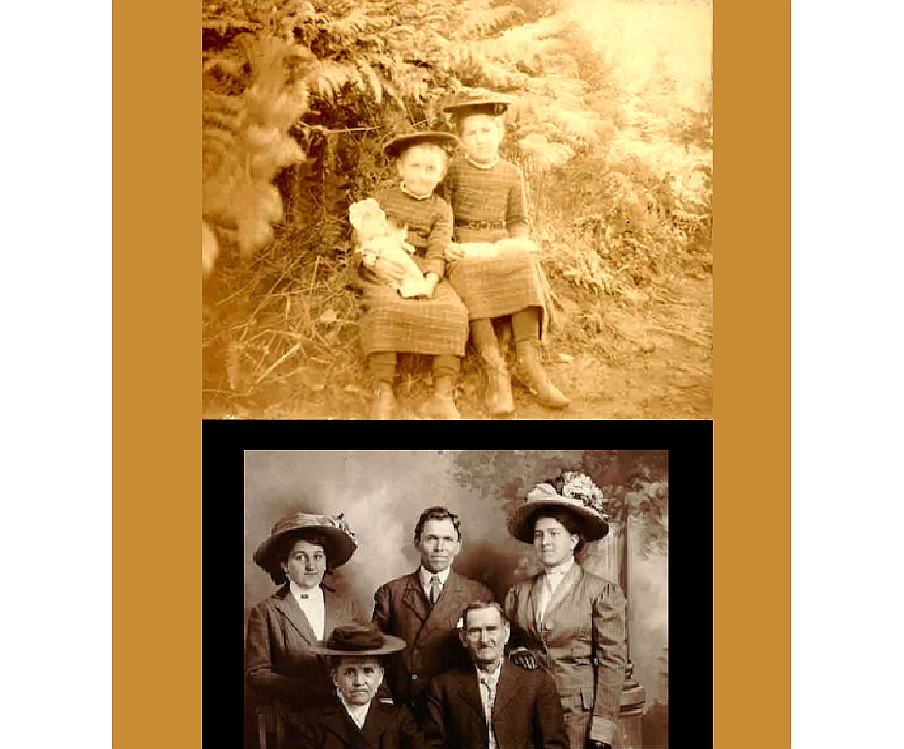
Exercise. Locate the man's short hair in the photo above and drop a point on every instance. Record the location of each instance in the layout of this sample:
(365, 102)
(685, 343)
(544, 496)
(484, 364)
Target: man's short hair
(478, 605)
(436, 513)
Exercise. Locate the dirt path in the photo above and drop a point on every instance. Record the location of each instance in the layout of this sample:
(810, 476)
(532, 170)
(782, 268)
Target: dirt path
(658, 366)
(653, 362)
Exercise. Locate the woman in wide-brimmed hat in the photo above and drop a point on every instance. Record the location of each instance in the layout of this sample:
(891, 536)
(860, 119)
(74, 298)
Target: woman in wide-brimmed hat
(355, 718)
(280, 663)
(571, 621)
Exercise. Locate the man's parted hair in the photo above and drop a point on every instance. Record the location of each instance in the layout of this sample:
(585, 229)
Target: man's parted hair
(477, 606)
(436, 513)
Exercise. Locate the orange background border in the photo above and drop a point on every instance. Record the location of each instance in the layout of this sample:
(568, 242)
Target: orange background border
(752, 366)
(156, 375)
(156, 360)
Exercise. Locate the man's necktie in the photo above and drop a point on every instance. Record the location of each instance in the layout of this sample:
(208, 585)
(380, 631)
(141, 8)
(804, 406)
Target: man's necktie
(435, 589)
(487, 685)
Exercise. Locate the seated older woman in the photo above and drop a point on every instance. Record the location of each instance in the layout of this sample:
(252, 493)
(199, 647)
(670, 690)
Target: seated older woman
(280, 664)
(354, 718)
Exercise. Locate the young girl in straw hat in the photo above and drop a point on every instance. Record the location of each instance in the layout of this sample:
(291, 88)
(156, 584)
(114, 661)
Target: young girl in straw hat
(487, 198)
(436, 322)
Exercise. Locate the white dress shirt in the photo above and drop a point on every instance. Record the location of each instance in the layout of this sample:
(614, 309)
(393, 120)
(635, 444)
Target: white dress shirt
(551, 580)
(310, 601)
(427, 576)
(487, 682)
(357, 713)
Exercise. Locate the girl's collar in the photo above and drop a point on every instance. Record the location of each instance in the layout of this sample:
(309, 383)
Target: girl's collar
(482, 166)
(411, 194)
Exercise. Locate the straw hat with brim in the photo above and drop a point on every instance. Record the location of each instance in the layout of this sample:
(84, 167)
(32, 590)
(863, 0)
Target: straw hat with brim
(478, 104)
(339, 541)
(355, 640)
(399, 143)
(592, 522)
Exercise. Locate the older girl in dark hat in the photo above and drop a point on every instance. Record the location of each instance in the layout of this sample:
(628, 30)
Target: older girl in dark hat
(280, 664)
(437, 323)
(487, 198)
(355, 717)
(571, 621)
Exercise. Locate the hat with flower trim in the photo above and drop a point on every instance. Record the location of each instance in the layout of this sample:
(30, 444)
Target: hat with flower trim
(339, 541)
(577, 494)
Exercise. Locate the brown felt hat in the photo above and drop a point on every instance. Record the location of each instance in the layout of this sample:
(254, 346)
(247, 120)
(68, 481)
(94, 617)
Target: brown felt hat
(585, 506)
(399, 143)
(339, 541)
(478, 103)
(356, 639)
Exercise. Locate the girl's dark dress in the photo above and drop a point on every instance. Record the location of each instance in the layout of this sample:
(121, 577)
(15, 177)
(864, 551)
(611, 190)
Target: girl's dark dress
(489, 205)
(435, 326)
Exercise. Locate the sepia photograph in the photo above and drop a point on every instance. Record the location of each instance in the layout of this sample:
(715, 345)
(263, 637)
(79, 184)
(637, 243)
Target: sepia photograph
(457, 209)
(456, 599)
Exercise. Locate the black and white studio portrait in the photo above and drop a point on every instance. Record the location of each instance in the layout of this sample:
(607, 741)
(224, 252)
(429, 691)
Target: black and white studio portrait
(467, 598)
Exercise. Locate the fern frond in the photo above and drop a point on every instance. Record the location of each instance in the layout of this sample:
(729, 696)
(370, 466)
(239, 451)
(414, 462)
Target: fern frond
(326, 78)
(477, 18)
(372, 79)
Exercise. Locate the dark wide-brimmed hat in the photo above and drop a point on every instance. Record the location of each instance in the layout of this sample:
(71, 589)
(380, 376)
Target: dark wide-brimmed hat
(579, 496)
(358, 640)
(478, 103)
(401, 141)
(339, 541)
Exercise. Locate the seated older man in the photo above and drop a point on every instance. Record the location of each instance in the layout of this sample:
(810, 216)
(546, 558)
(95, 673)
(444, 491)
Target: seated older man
(355, 718)
(494, 704)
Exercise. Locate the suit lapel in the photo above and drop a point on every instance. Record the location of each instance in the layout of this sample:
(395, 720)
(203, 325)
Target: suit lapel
(533, 601)
(413, 597)
(450, 602)
(377, 721)
(506, 688)
(339, 722)
(565, 587)
(467, 688)
(331, 605)
(289, 608)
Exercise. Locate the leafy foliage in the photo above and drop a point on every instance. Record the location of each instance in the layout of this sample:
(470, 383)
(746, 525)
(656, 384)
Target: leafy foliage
(299, 96)
(252, 97)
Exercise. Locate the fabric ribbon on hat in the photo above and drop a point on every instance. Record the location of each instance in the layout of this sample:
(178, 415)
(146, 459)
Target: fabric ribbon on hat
(541, 492)
(355, 638)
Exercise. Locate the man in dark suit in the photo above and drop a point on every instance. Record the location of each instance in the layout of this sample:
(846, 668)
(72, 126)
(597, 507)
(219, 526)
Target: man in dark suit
(424, 607)
(492, 704)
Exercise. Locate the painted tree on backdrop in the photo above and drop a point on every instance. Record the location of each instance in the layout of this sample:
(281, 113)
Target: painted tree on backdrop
(635, 482)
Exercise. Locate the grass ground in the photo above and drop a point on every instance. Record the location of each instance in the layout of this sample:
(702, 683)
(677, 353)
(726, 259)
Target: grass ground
(635, 339)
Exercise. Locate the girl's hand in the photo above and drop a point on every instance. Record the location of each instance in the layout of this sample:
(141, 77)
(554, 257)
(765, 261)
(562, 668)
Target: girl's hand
(454, 252)
(432, 281)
